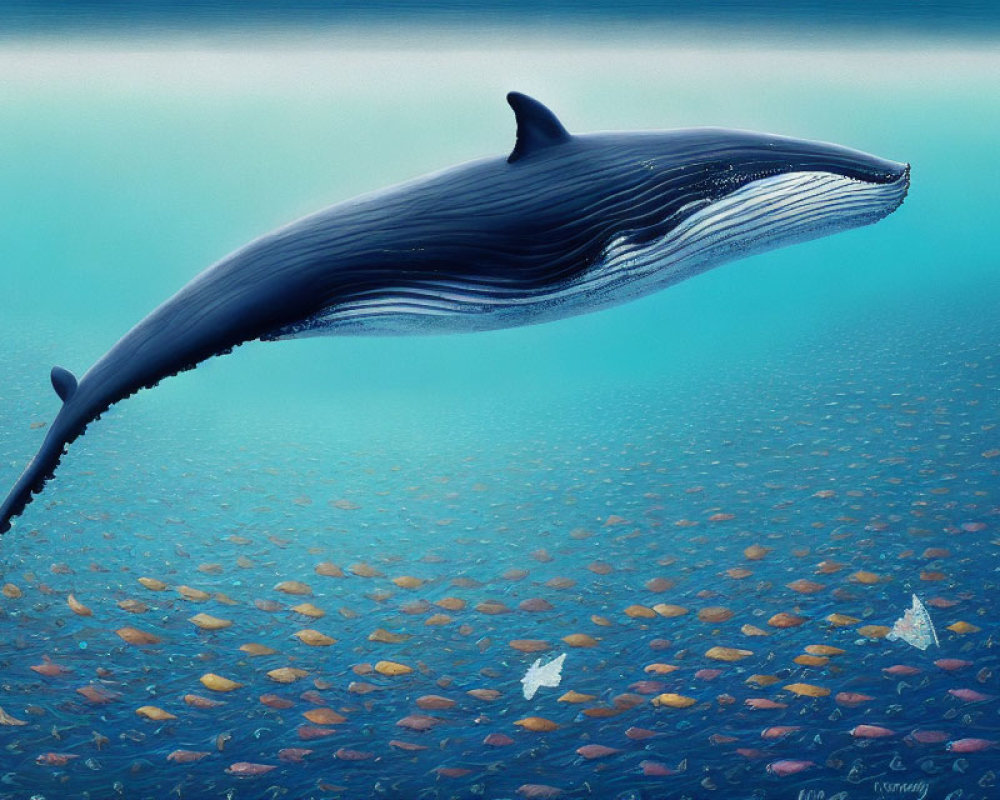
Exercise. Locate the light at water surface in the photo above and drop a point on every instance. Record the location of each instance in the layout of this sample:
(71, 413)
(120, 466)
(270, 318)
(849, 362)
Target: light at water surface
(793, 445)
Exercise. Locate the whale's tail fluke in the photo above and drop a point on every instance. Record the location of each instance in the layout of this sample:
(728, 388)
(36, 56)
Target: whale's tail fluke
(32, 480)
(63, 430)
(76, 413)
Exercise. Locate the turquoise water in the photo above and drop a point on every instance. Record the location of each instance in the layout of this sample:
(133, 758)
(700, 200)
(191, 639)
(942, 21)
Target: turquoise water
(864, 365)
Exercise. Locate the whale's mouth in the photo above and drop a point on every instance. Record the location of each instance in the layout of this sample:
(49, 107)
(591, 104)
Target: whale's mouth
(783, 209)
(763, 214)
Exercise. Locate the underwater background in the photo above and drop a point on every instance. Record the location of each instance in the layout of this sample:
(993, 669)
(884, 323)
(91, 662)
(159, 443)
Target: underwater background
(771, 458)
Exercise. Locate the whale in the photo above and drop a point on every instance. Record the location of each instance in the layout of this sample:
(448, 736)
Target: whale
(562, 225)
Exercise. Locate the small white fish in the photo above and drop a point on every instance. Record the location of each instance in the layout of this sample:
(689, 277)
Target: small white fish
(539, 675)
(914, 627)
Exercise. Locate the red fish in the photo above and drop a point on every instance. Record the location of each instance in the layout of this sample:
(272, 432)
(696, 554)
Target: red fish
(538, 791)
(49, 668)
(55, 759)
(293, 755)
(97, 694)
(201, 702)
(654, 769)
(788, 767)
(970, 745)
(418, 722)
(310, 732)
(648, 687)
(186, 756)
(452, 772)
(929, 737)
(763, 704)
(274, 701)
(590, 751)
(952, 664)
(852, 699)
(535, 604)
(346, 754)
(871, 732)
(778, 731)
(498, 740)
(400, 745)
(626, 701)
(248, 768)
(638, 734)
(970, 695)
(901, 669)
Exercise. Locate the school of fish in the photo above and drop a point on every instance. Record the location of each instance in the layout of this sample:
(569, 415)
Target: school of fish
(722, 584)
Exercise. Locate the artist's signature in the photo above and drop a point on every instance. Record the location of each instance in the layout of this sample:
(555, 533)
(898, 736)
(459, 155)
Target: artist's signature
(883, 790)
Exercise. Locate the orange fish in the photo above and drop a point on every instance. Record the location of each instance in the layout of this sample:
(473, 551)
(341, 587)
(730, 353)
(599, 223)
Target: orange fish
(55, 759)
(49, 668)
(779, 731)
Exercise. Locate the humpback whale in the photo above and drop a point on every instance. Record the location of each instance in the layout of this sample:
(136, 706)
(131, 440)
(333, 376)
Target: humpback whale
(565, 224)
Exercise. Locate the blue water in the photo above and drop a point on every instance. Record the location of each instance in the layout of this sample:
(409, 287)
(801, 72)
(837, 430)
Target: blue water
(839, 399)
(964, 17)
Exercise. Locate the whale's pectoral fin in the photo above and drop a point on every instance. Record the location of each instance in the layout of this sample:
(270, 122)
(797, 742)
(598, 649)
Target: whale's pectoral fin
(64, 382)
(537, 127)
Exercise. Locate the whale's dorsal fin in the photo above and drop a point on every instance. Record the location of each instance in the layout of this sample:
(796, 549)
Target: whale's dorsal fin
(537, 127)
(64, 382)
